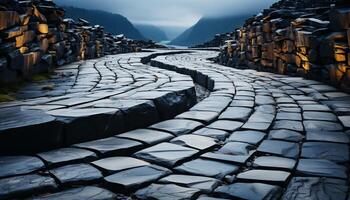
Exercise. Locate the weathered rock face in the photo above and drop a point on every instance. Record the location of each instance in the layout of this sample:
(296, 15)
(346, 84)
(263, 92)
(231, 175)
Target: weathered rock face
(35, 37)
(305, 38)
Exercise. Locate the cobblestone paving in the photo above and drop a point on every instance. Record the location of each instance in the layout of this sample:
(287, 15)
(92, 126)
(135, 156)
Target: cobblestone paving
(256, 136)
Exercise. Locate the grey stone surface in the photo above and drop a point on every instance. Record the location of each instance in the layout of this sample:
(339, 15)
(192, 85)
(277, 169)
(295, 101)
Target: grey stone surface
(115, 164)
(265, 176)
(325, 150)
(281, 148)
(166, 192)
(251, 137)
(76, 174)
(166, 154)
(253, 191)
(147, 136)
(177, 126)
(208, 168)
(194, 141)
(274, 162)
(319, 167)
(225, 125)
(18, 165)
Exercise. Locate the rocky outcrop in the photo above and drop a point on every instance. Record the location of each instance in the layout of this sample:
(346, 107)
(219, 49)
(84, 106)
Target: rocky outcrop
(35, 37)
(305, 38)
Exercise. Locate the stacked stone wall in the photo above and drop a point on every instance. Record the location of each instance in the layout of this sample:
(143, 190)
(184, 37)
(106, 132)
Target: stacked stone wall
(306, 38)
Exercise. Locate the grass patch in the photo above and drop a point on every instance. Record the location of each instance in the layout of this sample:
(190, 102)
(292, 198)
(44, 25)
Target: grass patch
(6, 98)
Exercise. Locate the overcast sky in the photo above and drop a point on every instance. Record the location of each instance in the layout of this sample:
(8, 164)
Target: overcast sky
(171, 13)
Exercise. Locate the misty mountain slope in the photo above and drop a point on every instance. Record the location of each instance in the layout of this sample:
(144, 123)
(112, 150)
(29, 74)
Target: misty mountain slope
(206, 28)
(152, 32)
(113, 23)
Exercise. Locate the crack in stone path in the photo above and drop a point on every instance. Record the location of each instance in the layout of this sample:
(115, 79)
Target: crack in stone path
(257, 135)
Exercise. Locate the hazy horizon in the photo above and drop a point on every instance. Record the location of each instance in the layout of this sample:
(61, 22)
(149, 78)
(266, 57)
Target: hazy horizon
(171, 16)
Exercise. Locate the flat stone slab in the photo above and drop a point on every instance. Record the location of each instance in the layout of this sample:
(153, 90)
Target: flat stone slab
(64, 156)
(194, 141)
(19, 165)
(321, 126)
(208, 168)
(288, 116)
(225, 125)
(319, 167)
(316, 188)
(337, 137)
(116, 164)
(236, 113)
(235, 159)
(214, 133)
(166, 192)
(177, 126)
(325, 150)
(345, 120)
(166, 154)
(265, 176)
(281, 148)
(251, 137)
(16, 122)
(201, 116)
(236, 148)
(147, 136)
(88, 192)
(76, 174)
(274, 162)
(26, 185)
(289, 125)
(111, 146)
(135, 178)
(287, 135)
(204, 184)
(320, 116)
(253, 191)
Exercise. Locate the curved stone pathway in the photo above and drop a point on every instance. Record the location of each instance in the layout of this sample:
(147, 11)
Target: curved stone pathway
(257, 136)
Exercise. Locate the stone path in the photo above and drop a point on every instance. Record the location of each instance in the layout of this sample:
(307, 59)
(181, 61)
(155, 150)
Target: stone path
(256, 136)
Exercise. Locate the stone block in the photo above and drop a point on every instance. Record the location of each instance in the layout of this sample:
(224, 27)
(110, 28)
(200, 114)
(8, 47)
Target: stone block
(304, 39)
(27, 37)
(8, 19)
(16, 60)
(43, 28)
(340, 18)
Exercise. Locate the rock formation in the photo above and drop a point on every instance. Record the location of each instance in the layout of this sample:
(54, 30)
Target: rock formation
(35, 37)
(308, 38)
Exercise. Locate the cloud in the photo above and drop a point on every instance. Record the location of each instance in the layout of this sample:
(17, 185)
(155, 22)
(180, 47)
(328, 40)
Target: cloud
(175, 13)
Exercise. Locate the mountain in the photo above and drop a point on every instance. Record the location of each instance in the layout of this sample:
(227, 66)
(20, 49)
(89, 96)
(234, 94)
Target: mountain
(113, 23)
(152, 32)
(206, 28)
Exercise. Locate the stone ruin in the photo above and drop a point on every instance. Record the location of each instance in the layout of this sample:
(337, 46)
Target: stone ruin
(309, 38)
(35, 37)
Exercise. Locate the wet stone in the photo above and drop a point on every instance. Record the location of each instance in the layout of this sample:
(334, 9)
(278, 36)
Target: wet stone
(288, 116)
(236, 148)
(203, 197)
(18, 165)
(289, 125)
(166, 192)
(202, 116)
(321, 126)
(166, 154)
(287, 135)
(88, 192)
(177, 126)
(67, 156)
(147, 136)
(320, 116)
(208, 168)
(77, 174)
(337, 137)
(204, 184)
(316, 107)
(265, 176)
(111, 146)
(274, 162)
(242, 103)
(319, 167)
(236, 113)
(251, 137)
(253, 191)
(225, 125)
(325, 150)
(316, 188)
(264, 100)
(213, 133)
(236, 159)
(116, 164)
(281, 148)
(345, 120)
(21, 186)
(135, 178)
(195, 141)
(259, 126)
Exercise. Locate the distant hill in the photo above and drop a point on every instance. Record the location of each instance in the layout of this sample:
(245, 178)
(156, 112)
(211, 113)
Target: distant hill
(152, 32)
(113, 23)
(206, 28)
